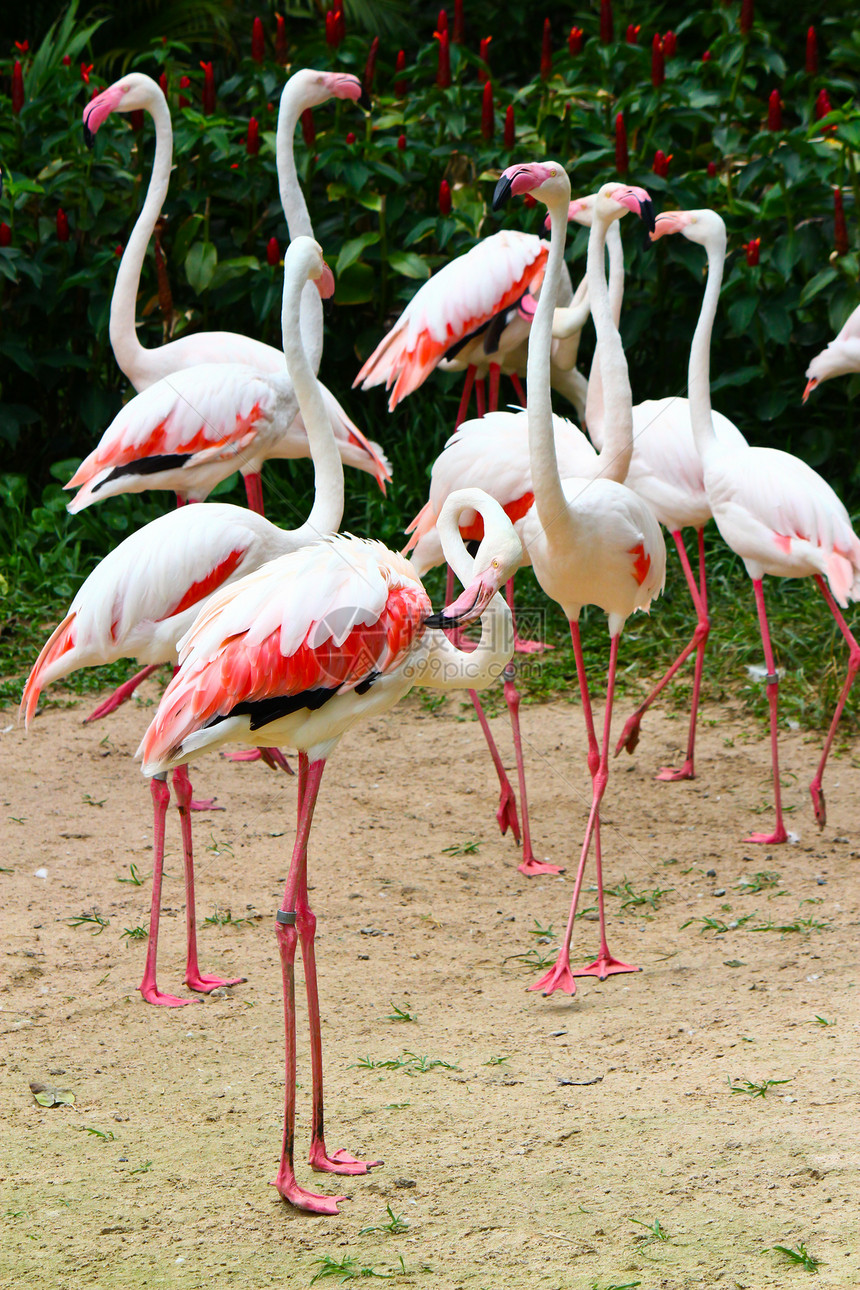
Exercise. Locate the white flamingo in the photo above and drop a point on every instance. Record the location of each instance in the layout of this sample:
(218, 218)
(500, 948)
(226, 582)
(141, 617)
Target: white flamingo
(838, 358)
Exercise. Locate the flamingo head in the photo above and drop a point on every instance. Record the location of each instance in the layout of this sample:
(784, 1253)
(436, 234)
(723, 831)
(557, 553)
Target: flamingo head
(705, 227)
(319, 87)
(544, 180)
(614, 199)
(832, 361)
(497, 558)
(810, 386)
(579, 211)
(307, 256)
(129, 94)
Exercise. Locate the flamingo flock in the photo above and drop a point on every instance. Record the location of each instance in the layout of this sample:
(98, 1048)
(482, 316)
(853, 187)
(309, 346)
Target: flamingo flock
(292, 637)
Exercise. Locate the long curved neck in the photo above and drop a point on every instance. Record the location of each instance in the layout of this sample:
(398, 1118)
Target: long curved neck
(123, 333)
(699, 372)
(594, 411)
(293, 103)
(327, 510)
(549, 496)
(613, 461)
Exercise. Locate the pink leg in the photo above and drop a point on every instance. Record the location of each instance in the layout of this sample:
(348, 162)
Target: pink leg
(254, 491)
(521, 646)
(630, 734)
(815, 788)
(518, 388)
(148, 987)
(529, 866)
(123, 692)
(779, 834)
(193, 977)
(273, 758)
(466, 395)
(480, 396)
(506, 813)
(495, 374)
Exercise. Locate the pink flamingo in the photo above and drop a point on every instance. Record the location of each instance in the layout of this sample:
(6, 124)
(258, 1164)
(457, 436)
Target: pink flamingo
(142, 598)
(302, 649)
(777, 513)
(841, 355)
(592, 540)
(172, 450)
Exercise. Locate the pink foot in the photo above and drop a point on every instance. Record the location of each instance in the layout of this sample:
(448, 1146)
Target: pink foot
(205, 804)
(308, 1201)
(559, 977)
(818, 803)
(273, 757)
(531, 647)
(671, 776)
(630, 734)
(506, 815)
(769, 839)
(152, 994)
(340, 1162)
(203, 984)
(605, 966)
(532, 868)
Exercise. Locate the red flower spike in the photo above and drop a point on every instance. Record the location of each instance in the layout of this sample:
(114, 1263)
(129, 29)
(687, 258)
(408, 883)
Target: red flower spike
(208, 89)
(22, 46)
(86, 68)
(528, 201)
(774, 111)
(660, 165)
(632, 36)
(341, 20)
(370, 66)
(5, 234)
(273, 253)
(444, 198)
(118, 250)
(184, 83)
(443, 69)
(457, 33)
(17, 88)
(840, 228)
(712, 169)
(510, 127)
(574, 40)
(822, 105)
(752, 249)
(747, 14)
(811, 52)
(400, 86)
(706, 57)
(622, 161)
(488, 121)
(606, 25)
(670, 44)
(546, 51)
(442, 21)
(484, 55)
(62, 225)
(350, 138)
(401, 142)
(309, 131)
(658, 68)
(332, 29)
(252, 138)
(162, 82)
(258, 41)
(281, 43)
(67, 60)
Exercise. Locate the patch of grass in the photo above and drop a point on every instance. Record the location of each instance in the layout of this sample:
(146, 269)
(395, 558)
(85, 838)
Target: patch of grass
(756, 1090)
(400, 1014)
(804, 925)
(631, 899)
(822, 1021)
(135, 933)
(800, 1257)
(653, 1231)
(347, 1269)
(752, 884)
(223, 918)
(407, 1061)
(717, 925)
(469, 848)
(498, 1061)
(104, 1135)
(394, 1226)
(89, 800)
(544, 933)
(134, 876)
(533, 958)
(142, 1169)
(93, 920)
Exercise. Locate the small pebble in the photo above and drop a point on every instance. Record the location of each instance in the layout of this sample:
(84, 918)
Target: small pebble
(404, 1182)
(710, 873)
(720, 891)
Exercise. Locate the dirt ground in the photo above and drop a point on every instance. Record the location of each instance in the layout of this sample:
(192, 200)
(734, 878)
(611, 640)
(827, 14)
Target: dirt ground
(560, 1132)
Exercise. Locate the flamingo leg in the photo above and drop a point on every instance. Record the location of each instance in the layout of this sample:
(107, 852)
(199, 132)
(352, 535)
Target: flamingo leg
(506, 812)
(466, 395)
(529, 865)
(518, 389)
(254, 491)
(193, 977)
(148, 987)
(521, 646)
(630, 734)
(495, 376)
(121, 694)
(815, 788)
(273, 758)
(779, 834)
(480, 396)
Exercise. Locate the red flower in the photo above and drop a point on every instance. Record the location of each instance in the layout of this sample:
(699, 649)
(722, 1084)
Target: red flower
(118, 250)
(484, 55)
(658, 68)
(457, 34)
(273, 253)
(660, 165)
(822, 105)
(5, 234)
(258, 41)
(370, 66)
(712, 169)
(706, 57)
(632, 36)
(86, 68)
(546, 51)
(752, 249)
(774, 111)
(444, 198)
(281, 45)
(443, 69)
(840, 228)
(400, 85)
(528, 201)
(162, 82)
(136, 120)
(442, 21)
(488, 120)
(332, 29)
(622, 162)
(309, 133)
(670, 44)
(606, 25)
(67, 60)
(574, 40)
(184, 83)
(22, 46)
(208, 89)
(401, 142)
(350, 138)
(62, 225)
(17, 88)
(747, 12)
(510, 127)
(252, 138)
(811, 52)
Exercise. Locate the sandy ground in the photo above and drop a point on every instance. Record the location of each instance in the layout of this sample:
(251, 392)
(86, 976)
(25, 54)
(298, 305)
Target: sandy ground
(560, 1132)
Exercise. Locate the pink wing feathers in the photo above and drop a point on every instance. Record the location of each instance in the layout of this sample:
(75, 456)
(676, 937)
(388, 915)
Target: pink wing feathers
(461, 297)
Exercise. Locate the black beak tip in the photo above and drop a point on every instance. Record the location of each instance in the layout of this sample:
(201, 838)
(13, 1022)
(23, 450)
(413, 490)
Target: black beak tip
(89, 137)
(646, 214)
(440, 621)
(502, 193)
(365, 101)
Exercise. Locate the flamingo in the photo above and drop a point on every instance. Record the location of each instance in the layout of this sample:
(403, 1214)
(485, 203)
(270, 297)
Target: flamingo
(302, 649)
(142, 598)
(592, 540)
(776, 512)
(157, 443)
(474, 314)
(841, 355)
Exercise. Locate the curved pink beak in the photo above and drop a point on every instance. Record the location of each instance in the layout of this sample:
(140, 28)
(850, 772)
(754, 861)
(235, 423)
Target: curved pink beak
(810, 386)
(325, 283)
(669, 222)
(99, 109)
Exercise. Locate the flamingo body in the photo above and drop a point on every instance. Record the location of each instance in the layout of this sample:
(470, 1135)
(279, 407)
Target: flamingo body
(841, 356)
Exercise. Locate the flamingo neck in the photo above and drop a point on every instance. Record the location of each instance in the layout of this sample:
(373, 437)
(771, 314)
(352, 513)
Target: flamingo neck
(594, 403)
(546, 483)
(294, 100)
(613, 461)
(699, 371)
(128, 351)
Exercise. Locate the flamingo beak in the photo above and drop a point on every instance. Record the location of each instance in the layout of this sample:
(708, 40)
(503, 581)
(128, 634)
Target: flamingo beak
(810, 386)
(364, 100)
(470, 604)
(325, 282)
(502, 193)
